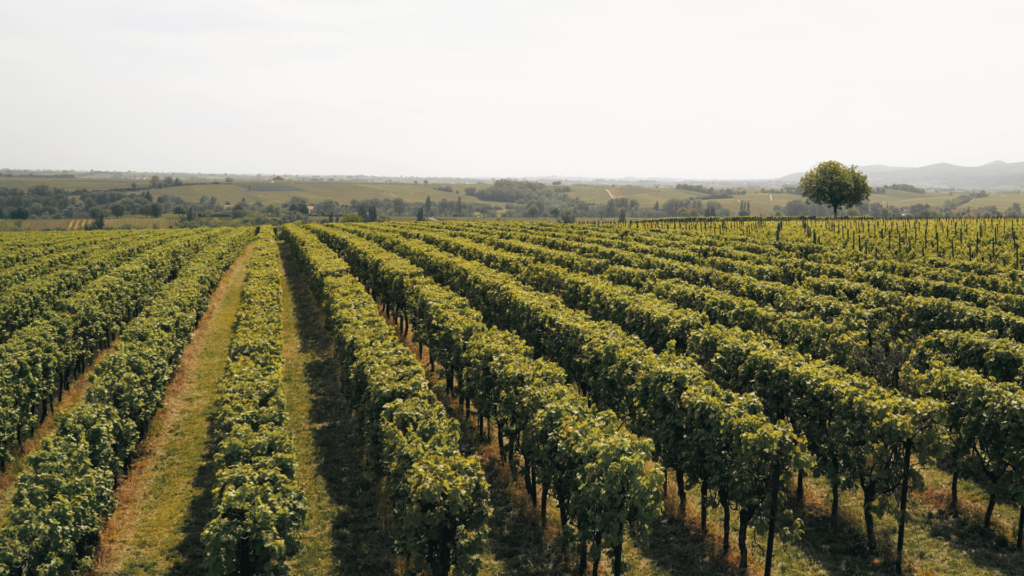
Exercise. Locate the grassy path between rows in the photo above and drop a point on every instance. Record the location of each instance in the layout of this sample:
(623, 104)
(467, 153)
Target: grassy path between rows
(165, 498)
(344, 532)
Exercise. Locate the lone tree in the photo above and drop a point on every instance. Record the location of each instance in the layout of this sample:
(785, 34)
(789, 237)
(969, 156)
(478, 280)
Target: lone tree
(835, 185)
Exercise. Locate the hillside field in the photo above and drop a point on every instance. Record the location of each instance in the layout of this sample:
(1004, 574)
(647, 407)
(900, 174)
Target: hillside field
(762, 204)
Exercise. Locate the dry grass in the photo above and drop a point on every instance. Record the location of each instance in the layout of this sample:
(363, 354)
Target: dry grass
(164, 500)
(346, 529)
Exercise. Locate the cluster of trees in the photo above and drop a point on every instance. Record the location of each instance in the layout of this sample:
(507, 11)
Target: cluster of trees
(515, 192)
(711, 192)
(44, 202)
(903, 187)
(692, 207)
(525, 199)
(156, 183)
(954, 203)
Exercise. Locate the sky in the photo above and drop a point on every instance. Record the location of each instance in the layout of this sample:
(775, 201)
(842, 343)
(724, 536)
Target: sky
(703, 90)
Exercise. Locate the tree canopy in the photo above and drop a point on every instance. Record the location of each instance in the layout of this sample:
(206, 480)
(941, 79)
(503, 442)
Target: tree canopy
(835, 185)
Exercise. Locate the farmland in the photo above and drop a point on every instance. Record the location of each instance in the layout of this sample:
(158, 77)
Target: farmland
(649, 398)
(642, 199)
(133, 222)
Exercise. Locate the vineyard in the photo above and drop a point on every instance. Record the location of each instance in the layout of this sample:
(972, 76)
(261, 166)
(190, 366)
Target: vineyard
(654, 397)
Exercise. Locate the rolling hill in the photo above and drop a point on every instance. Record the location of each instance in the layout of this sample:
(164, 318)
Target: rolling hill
(994, 175)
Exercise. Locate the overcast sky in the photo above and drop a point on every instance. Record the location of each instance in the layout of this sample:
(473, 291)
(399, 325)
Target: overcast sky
(702, 89)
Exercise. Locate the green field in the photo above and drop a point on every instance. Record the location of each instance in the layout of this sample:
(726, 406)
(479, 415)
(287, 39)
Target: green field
(280, 192)
(315, 192)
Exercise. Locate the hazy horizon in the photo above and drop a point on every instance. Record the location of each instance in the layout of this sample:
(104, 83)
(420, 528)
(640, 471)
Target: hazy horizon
(731, 90)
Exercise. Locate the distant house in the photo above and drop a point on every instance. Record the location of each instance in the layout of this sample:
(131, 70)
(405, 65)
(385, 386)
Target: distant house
(309, 208)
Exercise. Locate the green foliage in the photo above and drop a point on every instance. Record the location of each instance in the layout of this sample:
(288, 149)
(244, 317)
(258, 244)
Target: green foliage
(59, 319)
(596, 469)
(441, 498)
(259, 506)
(695, 426)
(61, 502)
(835, 185)
(513, 191)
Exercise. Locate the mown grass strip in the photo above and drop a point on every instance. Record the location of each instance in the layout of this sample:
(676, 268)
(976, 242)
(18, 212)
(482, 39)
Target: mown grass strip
(344, 531)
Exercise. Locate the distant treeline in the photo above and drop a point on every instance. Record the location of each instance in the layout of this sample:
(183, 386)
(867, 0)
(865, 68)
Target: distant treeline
(48, 176)
(712, 193)
(903, 187)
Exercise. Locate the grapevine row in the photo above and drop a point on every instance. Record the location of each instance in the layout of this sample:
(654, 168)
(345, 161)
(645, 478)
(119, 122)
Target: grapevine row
(857, 430)
(77, 251)
(879, 308)
(38, 362)
(30, 300)
(61, 500)
(441, 499)
(714, 437)
(258, 505)
(25, 247)
(782, 380)
(597, 472)
(837, 337)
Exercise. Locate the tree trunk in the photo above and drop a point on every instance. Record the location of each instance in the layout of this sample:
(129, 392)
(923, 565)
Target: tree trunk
(704, 506)
(531, 484)
(903, 508)
(835, 506)
(724, 497)
(800, 487)
(1020, 529)
(953, 495)
(582, 570)
(681, 490)
(869, 519)
(988, 512)
(745, 516)
(597, 548)
(772, 520)
(544, 505)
